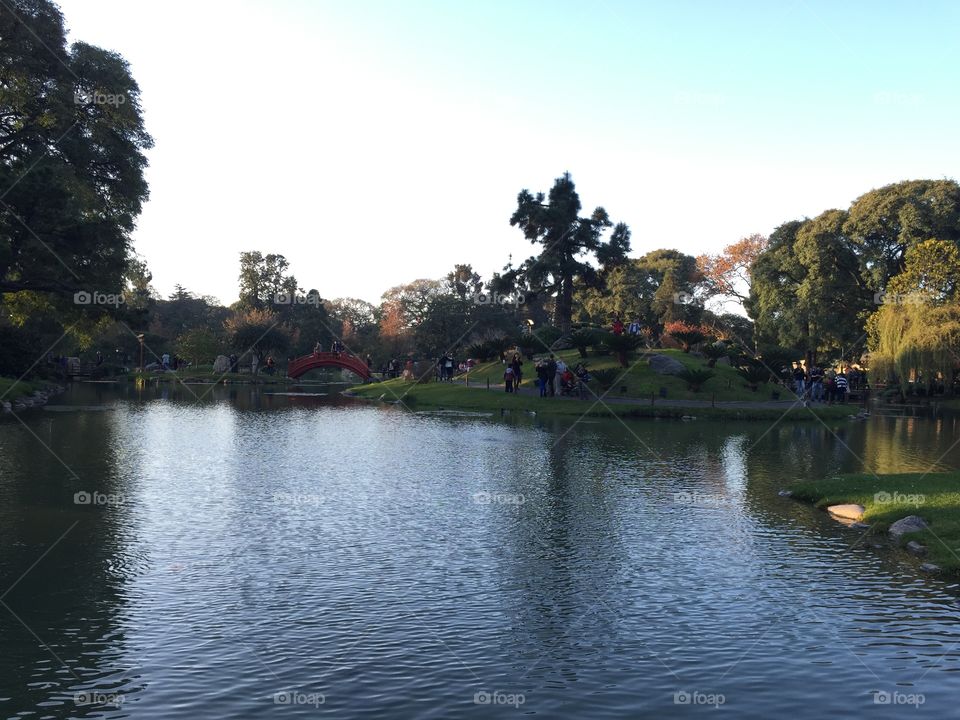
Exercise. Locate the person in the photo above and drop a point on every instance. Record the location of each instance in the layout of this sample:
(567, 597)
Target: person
(369, 362)
(448, 365)
(634, 328)
(798, 380)
(541, 370)
(517, 364)
(561, 368)
(99, 358)
(508, 378)
(270, 364)
(317, 349)
(816, 383)
(829, 387)
(233, 363)
(165, 361)
(617, 326)
(551, 375)
(841, 385)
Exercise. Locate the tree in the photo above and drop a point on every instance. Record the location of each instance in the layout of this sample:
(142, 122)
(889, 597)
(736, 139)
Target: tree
(259, 332)
(916, 331)
(657, 288)
(686, 334)
(200, 346)
(727, 275)
(72, 145)
(264, 281)
(555, 223)
(884, 223)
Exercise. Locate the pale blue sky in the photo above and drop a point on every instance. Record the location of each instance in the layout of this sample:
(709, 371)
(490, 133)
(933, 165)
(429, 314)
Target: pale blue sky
(338, 133)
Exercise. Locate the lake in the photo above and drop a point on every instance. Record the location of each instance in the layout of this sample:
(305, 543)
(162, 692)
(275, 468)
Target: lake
(185, 552)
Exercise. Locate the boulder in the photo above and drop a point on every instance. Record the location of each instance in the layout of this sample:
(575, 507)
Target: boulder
(221, 364)
(849, 511)
(909, 524)
(916, 548)
(663, 365)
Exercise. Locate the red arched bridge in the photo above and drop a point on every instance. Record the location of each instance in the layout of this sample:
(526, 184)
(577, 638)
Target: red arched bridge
(301, 365)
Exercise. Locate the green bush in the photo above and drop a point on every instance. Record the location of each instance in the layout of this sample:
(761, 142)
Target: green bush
(695, 379)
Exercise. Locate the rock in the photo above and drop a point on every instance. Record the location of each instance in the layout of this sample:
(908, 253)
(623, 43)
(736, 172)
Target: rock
(221, 364)
(785, 493)
(930, 568)
(848, 511)
(663, 365)
(916, 548)
(909, 524)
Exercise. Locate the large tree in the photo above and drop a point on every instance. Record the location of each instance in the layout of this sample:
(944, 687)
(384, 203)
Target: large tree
(884, 223)
(72, 145)
(567, 239)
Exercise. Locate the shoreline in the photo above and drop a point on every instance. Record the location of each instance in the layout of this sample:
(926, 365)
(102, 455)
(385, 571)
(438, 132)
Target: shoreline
(918, 513)
(436, 395)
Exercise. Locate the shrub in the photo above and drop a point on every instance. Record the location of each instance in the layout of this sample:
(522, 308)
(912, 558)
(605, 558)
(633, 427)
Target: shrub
(605, 378)
(686, 334)
(713, 352)
(695, 379)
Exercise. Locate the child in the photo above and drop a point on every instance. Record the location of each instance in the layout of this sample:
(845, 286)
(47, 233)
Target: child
(508, 379)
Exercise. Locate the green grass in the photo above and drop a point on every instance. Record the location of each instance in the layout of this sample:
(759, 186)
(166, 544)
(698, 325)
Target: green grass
(476, 397)
(640, 380)
(936, 499)
(11, 388)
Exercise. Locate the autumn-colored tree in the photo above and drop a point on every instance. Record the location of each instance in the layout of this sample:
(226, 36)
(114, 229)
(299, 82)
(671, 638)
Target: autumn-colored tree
(728, 274)
(686, 334)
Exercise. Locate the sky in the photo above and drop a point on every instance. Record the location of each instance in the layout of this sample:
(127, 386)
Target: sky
(375, 143)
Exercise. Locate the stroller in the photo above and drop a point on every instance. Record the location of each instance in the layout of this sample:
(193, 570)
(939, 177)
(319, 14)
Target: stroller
(575, 382)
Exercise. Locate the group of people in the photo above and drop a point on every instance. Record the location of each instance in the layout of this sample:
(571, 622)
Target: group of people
(816, 384)
(335, 347)
(553, 376)
(446, 367)
(634, 328)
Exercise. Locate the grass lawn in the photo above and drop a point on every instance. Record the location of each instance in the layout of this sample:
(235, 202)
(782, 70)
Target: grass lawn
(456, 395)
(640, 380)
(11, 389)
(935, 497)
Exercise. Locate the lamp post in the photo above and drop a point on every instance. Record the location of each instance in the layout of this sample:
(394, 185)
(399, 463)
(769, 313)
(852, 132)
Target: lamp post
(140, 340)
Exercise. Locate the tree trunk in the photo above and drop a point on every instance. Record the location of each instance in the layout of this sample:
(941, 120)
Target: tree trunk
(563, 310)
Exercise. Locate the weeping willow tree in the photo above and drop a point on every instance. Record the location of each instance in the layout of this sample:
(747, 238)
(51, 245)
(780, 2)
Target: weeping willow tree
(916, 331)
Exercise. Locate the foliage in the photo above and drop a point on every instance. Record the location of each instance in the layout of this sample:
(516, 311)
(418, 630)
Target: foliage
(621, 345)
(713, 352)
(72, 144)
(727, 274)
(695, 379)
(554, 222)
(200, 346)
(686, 334)
(259, 332)
(605, 377)
(582, 338)
(754, 375)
